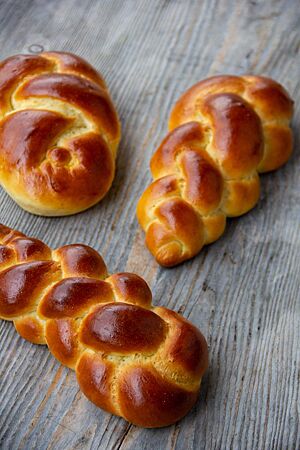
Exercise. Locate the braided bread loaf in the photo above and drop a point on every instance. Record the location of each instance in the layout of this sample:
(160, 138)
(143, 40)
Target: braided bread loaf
(131, 359)
(225, 130)
(59, 133)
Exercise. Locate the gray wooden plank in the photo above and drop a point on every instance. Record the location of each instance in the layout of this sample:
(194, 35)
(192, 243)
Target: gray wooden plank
(242, 291)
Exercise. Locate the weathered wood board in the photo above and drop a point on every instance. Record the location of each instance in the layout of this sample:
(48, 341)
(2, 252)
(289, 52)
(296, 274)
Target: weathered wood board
(243, 291)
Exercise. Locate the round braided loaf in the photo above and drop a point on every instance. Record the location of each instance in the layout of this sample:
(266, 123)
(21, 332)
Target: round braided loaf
(59, 133)
(225, 130)
(131, 359)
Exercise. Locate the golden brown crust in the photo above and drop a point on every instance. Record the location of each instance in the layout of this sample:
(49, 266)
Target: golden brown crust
(130, 288)
(81, 260)
(95, 378)
(31, 329)
(30, 249)
(131, 359)
(69, 63)
(59, 132)
(21, 285)
(61, 338)
(224, 130)
(122, 328)
(148, 400)
(70, 297)
(185, 346)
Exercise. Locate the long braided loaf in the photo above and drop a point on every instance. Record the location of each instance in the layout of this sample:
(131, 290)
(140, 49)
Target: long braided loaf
(59, 133)
(225, 130)
(131, 359)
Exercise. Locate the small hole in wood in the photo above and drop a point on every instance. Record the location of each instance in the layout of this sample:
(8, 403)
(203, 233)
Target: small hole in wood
(35, 48)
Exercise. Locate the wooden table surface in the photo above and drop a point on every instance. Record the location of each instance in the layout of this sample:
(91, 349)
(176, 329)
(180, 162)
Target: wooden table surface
(242, 291)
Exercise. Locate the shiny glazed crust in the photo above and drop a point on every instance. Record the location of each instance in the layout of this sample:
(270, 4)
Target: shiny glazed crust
(59, 133)
(223, 132)
(140, 362)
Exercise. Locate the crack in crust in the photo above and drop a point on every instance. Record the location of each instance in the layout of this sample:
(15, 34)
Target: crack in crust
(223, 132)
(59, 133)
(132, 359)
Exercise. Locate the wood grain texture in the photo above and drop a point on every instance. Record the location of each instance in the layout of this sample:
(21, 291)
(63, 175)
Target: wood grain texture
(242, 291)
